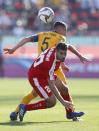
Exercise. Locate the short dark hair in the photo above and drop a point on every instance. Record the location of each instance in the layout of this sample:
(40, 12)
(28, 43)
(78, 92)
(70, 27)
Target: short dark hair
(61, 46)
(59, 23)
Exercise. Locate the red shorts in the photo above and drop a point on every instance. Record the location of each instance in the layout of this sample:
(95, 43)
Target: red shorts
(41, 87)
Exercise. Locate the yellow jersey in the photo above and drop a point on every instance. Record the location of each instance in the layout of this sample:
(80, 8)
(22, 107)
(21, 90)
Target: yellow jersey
(48, 40)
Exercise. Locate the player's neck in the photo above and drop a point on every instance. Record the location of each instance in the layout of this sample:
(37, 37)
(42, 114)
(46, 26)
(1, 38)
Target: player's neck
(58, 33)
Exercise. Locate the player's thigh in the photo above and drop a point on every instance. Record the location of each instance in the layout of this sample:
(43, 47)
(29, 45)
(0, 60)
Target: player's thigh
(41, 87)
(61, 86)
(61, 75)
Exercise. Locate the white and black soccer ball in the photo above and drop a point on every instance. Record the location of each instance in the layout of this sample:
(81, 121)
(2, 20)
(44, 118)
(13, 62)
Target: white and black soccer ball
(46, 14)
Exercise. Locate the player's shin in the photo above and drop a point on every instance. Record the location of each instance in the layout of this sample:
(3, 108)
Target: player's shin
(36, 106)
(43, 104)
(70, 113)
(68, 97)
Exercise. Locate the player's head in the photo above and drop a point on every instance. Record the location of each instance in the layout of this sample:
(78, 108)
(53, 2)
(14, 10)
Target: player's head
(61, 51)
(60, 27)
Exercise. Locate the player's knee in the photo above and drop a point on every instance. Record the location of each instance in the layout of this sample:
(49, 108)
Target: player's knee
(34, 94)
(51, 102)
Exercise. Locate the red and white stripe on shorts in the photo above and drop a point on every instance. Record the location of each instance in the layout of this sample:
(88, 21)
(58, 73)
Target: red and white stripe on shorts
(41, 87)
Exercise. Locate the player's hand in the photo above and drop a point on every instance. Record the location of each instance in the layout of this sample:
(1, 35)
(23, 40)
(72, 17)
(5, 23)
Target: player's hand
(8, 51)
(68, 105)
(84, 59)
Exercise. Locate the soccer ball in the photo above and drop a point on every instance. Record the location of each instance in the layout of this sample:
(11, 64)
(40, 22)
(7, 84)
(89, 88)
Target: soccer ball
(46, 14)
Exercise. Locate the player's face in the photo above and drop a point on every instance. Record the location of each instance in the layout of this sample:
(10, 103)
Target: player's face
(60, 55)
(61, 30)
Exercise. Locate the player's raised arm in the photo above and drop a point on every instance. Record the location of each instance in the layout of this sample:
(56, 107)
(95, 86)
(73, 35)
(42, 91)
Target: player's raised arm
(20, 44)
(52, 86)
(77, 53)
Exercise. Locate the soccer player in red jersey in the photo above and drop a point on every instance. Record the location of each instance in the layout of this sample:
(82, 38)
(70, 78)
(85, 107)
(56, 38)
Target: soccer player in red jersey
(56, 36)
(42, 79)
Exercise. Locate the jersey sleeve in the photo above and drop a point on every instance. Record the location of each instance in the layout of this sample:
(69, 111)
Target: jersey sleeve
(35, 38)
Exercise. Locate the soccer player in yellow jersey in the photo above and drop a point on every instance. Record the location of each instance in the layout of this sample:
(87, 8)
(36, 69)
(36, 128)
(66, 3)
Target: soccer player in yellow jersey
(47, 40)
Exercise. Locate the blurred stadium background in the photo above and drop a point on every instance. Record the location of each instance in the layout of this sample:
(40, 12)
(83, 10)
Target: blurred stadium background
(18, 18)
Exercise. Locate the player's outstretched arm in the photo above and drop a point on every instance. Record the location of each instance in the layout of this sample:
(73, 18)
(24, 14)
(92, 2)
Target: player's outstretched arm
(52, 86)
(77, 53)
(21, 43)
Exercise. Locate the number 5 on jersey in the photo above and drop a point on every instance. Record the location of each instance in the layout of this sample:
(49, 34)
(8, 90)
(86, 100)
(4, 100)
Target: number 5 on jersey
(45, 44)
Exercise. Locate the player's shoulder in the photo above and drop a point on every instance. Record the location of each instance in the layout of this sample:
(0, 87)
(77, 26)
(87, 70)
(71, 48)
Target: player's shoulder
(52, 33)
(61, 37)
(50, 51)
(45, 33)
(50, 56)
(64, 39)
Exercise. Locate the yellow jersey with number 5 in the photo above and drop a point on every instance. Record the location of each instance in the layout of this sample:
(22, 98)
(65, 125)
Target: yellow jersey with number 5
(48, 40)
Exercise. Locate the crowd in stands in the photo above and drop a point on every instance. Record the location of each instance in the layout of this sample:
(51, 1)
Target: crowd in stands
(19, 17)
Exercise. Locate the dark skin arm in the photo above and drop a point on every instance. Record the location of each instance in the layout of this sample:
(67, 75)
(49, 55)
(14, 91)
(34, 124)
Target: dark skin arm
(52, 86)
(20, 44)
(80, 56)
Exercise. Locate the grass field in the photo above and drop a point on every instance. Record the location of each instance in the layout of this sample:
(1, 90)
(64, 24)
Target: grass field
(86, 98)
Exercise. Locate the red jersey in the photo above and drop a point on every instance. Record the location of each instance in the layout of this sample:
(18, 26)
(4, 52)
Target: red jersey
(45, 65)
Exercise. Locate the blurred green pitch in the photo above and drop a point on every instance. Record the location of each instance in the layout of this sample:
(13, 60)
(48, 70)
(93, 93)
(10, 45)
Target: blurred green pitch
(85, 94)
